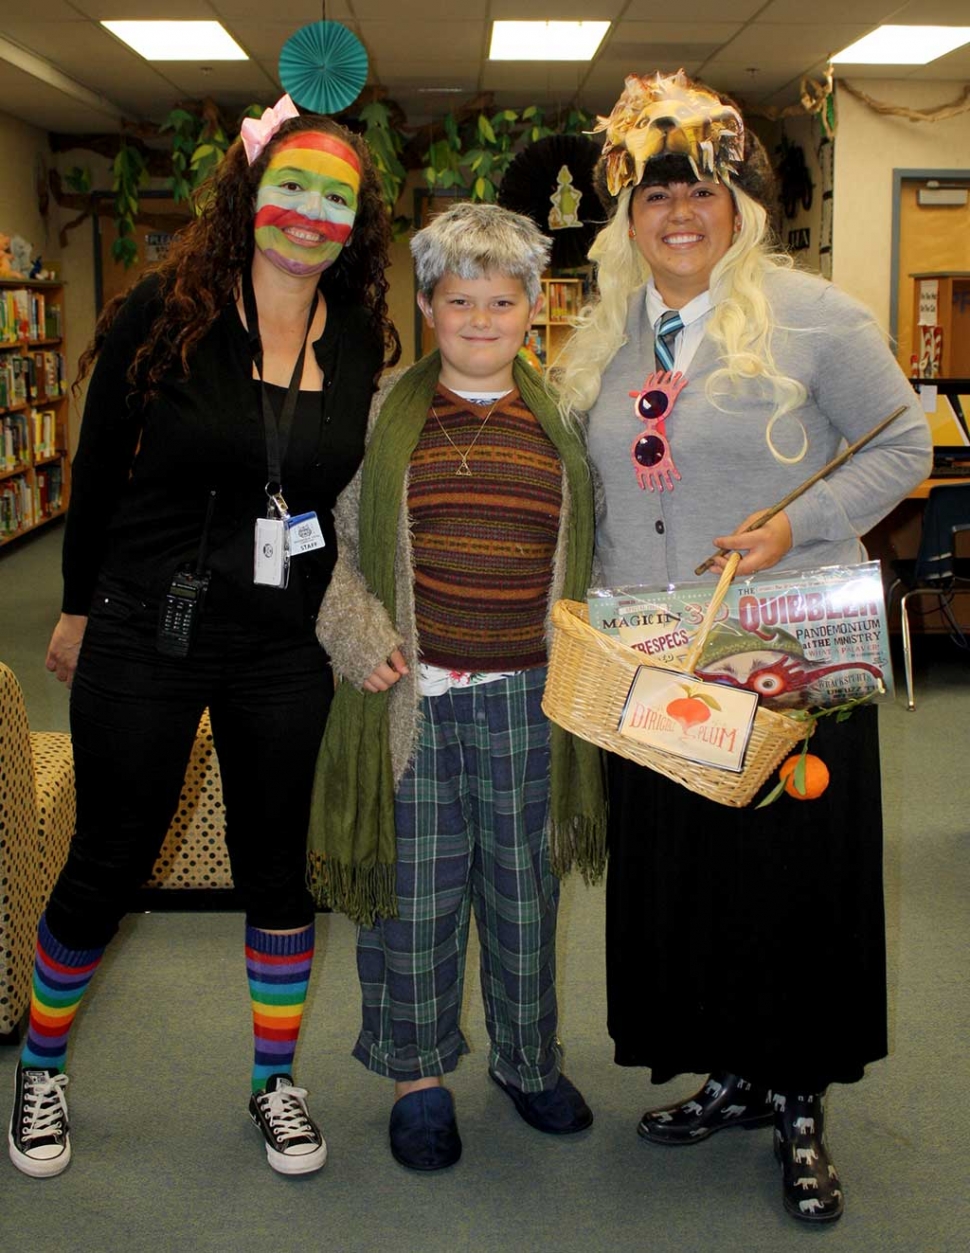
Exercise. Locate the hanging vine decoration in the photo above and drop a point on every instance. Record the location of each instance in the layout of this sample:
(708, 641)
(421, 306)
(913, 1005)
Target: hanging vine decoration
(940, 114)
(469, 152)
(386, 144)
(476, 155)
(199, 142)
(128, 174)
(814, 97)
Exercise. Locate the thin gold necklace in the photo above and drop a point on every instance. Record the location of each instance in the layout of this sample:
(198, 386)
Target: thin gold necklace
(464, 469)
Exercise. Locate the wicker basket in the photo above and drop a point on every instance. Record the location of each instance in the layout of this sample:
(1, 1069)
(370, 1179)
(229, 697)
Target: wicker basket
(590, 675)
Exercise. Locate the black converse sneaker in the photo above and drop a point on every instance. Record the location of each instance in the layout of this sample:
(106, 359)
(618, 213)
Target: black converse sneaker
(294, 1145)
(39, 1142)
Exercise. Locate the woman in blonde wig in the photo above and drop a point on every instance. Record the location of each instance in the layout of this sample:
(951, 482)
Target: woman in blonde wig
(745, 945)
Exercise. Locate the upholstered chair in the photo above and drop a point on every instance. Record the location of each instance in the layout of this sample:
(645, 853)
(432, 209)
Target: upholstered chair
(37, 812)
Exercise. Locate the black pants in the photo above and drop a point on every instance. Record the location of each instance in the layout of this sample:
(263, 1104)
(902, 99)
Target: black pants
(750, 940)
(134, 715)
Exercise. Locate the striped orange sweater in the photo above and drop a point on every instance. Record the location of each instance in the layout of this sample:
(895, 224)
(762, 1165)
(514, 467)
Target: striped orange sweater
(483, 543)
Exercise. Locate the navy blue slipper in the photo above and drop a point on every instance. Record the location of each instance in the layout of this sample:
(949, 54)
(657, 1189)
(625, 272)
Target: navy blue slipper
(424, 1133)
(559, 1111)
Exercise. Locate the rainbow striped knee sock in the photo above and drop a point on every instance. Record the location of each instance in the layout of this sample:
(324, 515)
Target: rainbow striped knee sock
(278, 968)
(61, 977)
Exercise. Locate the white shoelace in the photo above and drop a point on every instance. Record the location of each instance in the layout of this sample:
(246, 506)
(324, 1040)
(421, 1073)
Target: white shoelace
(286, 1114)
(45, 1108)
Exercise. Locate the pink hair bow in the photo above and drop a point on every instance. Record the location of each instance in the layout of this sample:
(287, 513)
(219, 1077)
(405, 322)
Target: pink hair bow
(257, 132)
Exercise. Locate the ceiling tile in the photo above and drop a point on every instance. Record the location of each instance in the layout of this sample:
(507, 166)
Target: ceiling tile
(48, 108)
(873, 12)
(955, 63)
(737, 80)
(551, 76)
(441, 41)
(417, 10)
(261, 38)
(237, 81)
(936, 71)
(295, 13)
(761, 44)
(432, 74)
(555, 10)
(41, 11)
(94, 59)
(645, 47)
(146, 10)
(696, 14)
(932, 13)
(854, 72)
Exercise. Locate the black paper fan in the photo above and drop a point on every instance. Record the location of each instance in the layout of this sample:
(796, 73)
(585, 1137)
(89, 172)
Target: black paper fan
(551, 182)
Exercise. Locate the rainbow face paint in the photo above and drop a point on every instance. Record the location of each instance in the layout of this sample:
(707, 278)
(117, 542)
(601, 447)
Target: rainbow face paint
(307, 202)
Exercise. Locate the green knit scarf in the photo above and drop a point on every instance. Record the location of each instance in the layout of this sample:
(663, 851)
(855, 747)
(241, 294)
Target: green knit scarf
(352, 837)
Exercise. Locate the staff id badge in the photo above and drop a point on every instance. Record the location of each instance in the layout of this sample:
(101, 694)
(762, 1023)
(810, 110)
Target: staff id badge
(303, 534)
(271, 560)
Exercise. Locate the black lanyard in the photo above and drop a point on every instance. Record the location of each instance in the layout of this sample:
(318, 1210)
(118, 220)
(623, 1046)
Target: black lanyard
(277, 431)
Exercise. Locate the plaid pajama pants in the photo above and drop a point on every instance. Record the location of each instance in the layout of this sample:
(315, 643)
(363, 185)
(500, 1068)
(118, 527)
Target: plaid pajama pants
(471, 815)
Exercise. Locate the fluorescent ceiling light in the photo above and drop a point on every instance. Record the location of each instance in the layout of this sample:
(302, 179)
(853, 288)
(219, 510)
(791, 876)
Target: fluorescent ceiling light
(904, 45)
(178, 41)
(546, 41)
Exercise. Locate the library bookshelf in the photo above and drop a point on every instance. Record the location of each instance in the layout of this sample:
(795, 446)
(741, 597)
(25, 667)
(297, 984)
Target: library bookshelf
(35, 468)
(562, 300)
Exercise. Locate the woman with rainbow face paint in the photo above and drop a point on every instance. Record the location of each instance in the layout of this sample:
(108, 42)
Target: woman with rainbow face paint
(307, 202)
(241, 370)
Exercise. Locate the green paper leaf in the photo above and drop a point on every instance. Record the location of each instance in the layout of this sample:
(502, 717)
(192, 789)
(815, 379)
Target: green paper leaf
(773, 795)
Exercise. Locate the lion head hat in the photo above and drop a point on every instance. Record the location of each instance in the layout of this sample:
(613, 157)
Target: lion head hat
(670, 129)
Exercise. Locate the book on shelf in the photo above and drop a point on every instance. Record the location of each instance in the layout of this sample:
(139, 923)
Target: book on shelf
(16, 448)
(13, 379)
(26, 314)
(564, 300)
(37, 326)
(52, 370)
(47, 491)
(39, 376)
(535, 344)
(52, 323)
(16, 505)
(34, 472)
(44, 427)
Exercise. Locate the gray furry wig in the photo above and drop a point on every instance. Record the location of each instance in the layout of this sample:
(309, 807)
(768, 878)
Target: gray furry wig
(476, 240)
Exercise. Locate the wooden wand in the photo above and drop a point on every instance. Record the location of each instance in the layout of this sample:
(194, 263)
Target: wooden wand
(803, 487)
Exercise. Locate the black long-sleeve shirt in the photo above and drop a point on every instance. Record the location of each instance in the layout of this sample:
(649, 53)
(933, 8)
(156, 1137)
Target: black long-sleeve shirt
(143, 474)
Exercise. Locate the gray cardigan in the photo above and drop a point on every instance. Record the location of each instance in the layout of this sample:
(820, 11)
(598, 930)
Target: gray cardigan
(828, 342)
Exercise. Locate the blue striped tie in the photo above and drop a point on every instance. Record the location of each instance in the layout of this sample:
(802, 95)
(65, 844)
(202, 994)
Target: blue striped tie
(668, 326)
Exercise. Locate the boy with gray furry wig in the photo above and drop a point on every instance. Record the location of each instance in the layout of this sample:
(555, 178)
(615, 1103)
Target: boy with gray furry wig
(472, 240)
(442, 789)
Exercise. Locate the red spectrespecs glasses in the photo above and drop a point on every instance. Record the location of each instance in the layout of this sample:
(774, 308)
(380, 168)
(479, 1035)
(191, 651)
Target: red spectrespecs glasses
(650, 451)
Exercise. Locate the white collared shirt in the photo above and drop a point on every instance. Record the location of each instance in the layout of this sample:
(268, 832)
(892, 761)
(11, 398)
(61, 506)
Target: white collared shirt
(694, 315)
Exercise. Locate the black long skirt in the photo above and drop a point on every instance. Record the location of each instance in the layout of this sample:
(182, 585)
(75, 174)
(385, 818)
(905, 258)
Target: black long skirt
(745, 940)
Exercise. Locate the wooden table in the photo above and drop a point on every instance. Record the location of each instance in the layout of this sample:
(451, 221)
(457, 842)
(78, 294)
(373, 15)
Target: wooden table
(923, 489)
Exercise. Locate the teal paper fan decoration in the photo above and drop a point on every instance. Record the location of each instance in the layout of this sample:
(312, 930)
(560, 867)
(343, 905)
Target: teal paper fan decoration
(323, 67)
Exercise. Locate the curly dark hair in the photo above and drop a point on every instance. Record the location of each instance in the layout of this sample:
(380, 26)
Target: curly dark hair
(200, 273)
